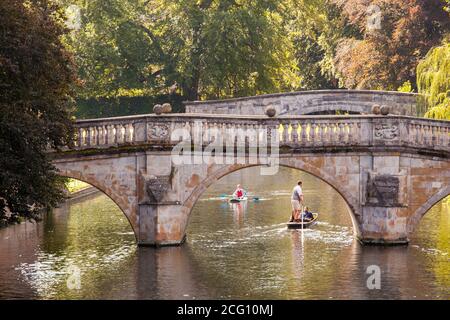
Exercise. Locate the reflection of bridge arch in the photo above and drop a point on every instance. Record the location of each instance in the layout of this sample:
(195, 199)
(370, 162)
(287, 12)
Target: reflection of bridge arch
(215, 175)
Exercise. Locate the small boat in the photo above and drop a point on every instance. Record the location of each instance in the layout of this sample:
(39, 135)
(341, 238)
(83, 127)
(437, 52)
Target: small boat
(237, 200)
(305, 224)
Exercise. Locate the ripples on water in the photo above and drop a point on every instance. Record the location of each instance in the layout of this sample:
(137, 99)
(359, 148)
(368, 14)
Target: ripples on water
(233, 251)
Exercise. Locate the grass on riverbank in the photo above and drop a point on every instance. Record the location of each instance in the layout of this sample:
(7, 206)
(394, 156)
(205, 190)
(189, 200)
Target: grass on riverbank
(74, 185)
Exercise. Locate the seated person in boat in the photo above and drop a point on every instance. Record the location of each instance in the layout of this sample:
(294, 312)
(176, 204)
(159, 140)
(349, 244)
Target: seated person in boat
(307, 215)
(239, 193)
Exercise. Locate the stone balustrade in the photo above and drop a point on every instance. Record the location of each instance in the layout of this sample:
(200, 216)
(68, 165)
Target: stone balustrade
(312, 102)
(298, 131)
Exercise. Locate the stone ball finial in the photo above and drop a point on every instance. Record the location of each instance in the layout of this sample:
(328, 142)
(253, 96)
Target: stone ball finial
(158, 109)
(166, 108)
(384, 110)
(270, 111)
(376, 109)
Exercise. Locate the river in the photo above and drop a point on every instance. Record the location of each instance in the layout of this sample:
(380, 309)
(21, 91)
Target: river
(86, 250)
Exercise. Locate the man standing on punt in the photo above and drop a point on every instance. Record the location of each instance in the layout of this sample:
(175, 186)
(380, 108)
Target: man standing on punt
(297, 201)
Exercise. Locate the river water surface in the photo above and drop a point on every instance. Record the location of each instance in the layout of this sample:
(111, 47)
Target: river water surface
(86, 250)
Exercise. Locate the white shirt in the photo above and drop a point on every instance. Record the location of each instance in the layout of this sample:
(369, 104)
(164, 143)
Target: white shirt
(297, 192)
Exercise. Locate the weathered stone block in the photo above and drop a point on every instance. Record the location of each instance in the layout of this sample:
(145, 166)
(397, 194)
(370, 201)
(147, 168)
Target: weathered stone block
(382, 191)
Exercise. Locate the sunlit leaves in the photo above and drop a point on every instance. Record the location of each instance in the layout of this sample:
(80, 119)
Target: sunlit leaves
(387, 56)
(433, 79)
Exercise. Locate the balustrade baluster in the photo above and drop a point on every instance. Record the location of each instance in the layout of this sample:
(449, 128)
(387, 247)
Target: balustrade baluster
(93, 136)
(418, 134)
(88, 136)
(113, 136)
(304, 126)
(358, 133)
(411, 133)
(107, 134)
(351, 128)
(80, 138)
(341, 133)
(312, 133)
(295, 133)
(223, 132)
(329, 133)
(213, 132)
(433, 135)
(132, 132)
(334, 132)
(447, 137)
(230, 136)
(117, 132)
(99, 135)
(126, 133)
(102, 135)
(426, 136)
(123, 133)
(285, 137)
(205, 132)
(444, 134)
(322, 130)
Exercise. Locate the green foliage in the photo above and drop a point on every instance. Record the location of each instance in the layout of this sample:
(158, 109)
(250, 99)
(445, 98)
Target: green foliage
(36, 81)
(316, 28)
(73, 185)
(210, 49)
(406, 87)
(121, 106)
(433, 79)
(203, 48)
(112, 52)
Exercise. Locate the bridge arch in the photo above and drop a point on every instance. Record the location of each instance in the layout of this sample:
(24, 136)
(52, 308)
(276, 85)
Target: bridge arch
(99, 186)
(423, 209)
(223, 171)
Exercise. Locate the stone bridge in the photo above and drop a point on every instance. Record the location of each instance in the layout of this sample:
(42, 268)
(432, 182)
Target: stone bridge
(312, 102)
(389, 169)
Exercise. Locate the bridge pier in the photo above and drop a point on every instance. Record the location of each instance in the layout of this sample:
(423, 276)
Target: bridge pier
(383, 226)
(162, 225)
(384, 193)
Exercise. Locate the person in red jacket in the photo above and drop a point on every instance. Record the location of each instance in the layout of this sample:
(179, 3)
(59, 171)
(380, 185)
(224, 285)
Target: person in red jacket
(239, 193)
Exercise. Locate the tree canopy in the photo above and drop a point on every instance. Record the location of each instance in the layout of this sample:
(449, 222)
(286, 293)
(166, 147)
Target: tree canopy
(228, 48)
(433, 79)
(208, 49)
(36, 81)
(396, 35)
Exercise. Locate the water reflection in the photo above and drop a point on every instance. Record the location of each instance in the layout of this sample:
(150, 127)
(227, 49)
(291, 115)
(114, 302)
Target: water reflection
(233, 251)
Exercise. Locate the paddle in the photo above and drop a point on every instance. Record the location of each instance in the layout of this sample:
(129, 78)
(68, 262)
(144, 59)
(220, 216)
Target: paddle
(225, 196)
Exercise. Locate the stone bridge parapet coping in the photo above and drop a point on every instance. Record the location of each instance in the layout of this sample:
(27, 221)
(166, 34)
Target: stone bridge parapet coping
(311, 102)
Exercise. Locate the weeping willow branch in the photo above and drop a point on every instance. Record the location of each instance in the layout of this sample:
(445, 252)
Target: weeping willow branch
(433, 80)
